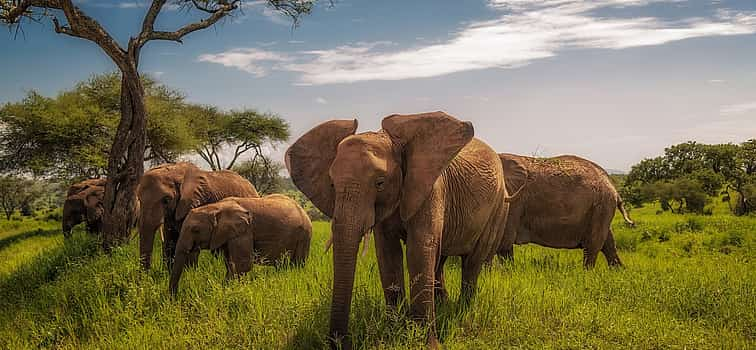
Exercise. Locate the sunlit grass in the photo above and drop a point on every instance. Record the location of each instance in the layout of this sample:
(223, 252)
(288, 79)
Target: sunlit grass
(689, 282)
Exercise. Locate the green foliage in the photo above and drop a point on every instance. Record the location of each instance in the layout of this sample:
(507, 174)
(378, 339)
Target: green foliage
(696, 290)
(19, 193)
(264, 174)
(69, 136)
(690, 173)
(242, 131)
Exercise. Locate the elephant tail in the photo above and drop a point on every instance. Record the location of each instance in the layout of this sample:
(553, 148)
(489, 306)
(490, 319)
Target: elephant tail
(625, 215)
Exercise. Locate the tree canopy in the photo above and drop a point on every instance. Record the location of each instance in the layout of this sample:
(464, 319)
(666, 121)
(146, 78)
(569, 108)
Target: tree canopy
(238, 131)
(70, 135)
(691, 173)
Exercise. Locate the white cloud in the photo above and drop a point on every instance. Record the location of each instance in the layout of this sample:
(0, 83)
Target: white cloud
(321, 101)
(739, 108)
(249, 60)
(716, 81)
(525, 31)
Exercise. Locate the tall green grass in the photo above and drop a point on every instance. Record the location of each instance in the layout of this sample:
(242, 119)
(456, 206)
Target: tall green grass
(688, 282)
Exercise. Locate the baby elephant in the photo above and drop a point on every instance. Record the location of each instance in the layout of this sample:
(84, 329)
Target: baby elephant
(262, 230)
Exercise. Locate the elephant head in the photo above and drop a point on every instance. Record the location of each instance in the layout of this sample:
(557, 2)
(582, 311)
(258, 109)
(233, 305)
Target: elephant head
(360, 180)
(73, 213)
(159, 190)
(208, 227)
(93, 197)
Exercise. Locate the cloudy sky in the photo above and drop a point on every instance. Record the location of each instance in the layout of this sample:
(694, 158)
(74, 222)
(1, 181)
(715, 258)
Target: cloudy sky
(611, 80)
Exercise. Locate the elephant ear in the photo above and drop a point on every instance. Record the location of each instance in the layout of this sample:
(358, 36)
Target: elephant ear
(515, 172)
(310, 157)
(191, 192)
(231, 221)
(429, 142)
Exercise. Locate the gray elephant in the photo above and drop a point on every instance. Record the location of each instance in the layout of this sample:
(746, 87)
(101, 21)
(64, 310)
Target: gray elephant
(167, 193)
(422, 180)
(565, 202)
(261, 230)
(83, 204)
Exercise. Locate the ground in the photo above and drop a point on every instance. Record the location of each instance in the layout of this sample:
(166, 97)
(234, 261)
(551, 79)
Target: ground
(688, 282)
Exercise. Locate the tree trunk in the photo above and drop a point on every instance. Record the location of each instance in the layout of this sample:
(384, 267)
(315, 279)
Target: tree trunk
(125, 161)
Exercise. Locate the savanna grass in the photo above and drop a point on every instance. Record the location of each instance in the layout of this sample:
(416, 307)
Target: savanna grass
(688, 282)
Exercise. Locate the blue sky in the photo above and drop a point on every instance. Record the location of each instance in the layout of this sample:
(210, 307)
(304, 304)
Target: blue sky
(611, 80)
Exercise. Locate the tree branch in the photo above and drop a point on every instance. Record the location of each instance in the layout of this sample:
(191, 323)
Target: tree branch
(149, 19)
(223, 9)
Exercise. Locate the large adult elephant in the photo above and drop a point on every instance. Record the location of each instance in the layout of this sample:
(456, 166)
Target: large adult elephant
(423, 179)
(566, 202)
(167, 193)
(81, 205)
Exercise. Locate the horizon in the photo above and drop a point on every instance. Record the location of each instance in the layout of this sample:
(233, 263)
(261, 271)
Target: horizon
(614, 81)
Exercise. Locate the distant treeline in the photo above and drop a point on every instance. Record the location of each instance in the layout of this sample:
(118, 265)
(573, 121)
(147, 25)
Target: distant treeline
(690, 175)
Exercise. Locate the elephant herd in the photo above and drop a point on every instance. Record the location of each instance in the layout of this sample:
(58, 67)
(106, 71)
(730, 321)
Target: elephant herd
(423, 181)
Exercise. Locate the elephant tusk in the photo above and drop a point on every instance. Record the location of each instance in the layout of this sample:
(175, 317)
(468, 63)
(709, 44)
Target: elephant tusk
(365, 243)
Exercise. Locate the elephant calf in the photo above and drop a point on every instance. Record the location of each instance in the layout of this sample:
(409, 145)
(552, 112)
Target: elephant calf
(262, 230)
(565, 202)
(83, 204)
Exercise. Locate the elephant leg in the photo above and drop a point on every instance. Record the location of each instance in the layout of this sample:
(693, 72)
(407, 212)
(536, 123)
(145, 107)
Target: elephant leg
(421, 263)
(440, 284)
(506, 252)
(471, 267)
(597, 237)
(610, 250)
(301, 252)
(170, 238)
(388, 250)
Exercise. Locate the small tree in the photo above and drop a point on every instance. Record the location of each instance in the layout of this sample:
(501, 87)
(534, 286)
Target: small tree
(18, 192)
(238, 131)
(263, 173)
(126, 156)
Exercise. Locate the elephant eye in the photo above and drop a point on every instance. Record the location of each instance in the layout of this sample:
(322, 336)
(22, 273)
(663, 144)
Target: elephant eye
(166, 199)
(380, 183)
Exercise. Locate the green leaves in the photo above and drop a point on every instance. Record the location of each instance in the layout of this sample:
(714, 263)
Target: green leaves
(691, 172)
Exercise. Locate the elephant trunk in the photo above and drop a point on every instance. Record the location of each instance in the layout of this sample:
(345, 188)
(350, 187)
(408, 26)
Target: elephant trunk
(148, 224)
(350, 222)
(183, 251)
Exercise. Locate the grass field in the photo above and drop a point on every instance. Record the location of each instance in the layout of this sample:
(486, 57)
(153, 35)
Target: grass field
(689, 282)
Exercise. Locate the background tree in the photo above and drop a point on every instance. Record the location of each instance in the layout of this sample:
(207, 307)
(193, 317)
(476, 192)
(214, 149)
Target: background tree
(17, 193)
(691, 173)
(69, 136)
(263, 173)
(238, 131)
(126, 156)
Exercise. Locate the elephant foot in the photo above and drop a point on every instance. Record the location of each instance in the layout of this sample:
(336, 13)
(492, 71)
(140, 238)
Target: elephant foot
(433, 342)
(341, 343)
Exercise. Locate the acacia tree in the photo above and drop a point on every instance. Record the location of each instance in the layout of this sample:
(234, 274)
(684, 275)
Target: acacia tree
(125, 160)
(239, 132)
(68, 136)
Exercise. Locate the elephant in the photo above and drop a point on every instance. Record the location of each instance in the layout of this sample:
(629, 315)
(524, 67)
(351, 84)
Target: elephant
(262, 230)
(83, 204)
(565, 202)
(166, 194)
(423, 180)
